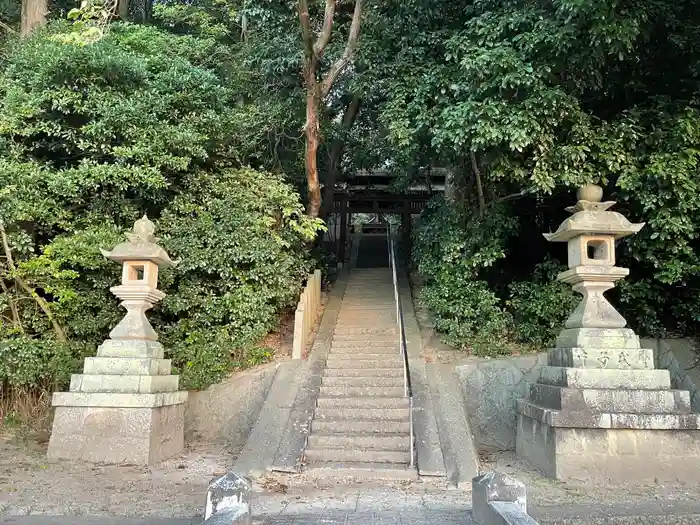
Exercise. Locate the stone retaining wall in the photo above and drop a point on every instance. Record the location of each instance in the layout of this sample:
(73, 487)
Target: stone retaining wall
(680, 357)
(227, 411)
(491, 388)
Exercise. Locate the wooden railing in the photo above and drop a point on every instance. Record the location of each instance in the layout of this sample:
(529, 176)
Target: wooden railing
(307, 312)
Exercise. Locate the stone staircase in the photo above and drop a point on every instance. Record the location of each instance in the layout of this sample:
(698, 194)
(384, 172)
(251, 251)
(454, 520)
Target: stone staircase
(361, 421)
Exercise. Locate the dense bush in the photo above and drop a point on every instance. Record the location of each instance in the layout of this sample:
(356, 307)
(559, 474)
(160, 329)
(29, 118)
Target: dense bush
(540, 306)
(93, 136)
(454, 255)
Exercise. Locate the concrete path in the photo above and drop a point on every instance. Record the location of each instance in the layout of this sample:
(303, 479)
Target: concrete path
(77, 520)
(412, 517)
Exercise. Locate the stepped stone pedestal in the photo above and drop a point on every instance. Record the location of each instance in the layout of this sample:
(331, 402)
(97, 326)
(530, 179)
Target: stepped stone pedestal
(125, 407)
(600, 411)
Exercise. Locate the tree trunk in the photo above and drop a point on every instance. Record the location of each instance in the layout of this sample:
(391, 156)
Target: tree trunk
(123, 9)
(33, 15)
(479, 186)
(311, 130)
(336, 154)
(451, 186)
(317, 91)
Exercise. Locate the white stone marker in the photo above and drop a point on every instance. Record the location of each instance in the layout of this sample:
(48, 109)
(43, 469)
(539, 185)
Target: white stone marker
(125, 407)
(600, 411)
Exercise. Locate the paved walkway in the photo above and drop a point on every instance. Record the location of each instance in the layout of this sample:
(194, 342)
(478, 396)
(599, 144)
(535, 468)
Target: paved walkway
(412, 517)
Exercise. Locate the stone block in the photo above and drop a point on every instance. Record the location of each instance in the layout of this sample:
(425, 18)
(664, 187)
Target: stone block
(131, 348)
(228, 500)
(141, 436)
(603, 338)
(128, 366)
(499, 499)
(605, 378)
(104, 399)
(680, 357)
(490, 390)
(610, 400)
(610, 455)
(589, 419)
(124, 384)
(602, 358)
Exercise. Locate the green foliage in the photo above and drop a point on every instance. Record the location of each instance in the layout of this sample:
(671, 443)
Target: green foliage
(94, 135)
(241, 236)
(454, 253)
(33, 365)
(540, 306)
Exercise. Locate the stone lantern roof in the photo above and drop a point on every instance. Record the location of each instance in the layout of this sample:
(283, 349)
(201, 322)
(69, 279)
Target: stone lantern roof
(141, 246)
(591, 217)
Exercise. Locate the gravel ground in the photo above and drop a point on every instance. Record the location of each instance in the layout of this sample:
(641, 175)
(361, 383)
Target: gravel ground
(32, 485)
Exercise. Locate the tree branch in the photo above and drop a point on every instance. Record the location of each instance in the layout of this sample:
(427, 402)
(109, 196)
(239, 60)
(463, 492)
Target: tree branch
(305, 21)
(325, 35)
(479, 186)
(16, 321)
(58, 330)
(7, 28)
(339, 66)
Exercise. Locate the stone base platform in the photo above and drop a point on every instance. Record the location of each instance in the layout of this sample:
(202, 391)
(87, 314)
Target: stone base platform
(117, 435)
(124, 408)
(609, 448)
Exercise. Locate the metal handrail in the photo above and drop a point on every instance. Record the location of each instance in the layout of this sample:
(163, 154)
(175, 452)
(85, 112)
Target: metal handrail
(408, 390)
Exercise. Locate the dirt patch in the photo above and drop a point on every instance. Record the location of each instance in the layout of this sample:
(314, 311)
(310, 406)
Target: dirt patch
(543, 492)
(32, 484)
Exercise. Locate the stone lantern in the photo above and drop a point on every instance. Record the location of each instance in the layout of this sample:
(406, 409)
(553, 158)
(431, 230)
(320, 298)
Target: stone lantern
(590, 234)
(140, 258)
(600, 411)
(126, 406)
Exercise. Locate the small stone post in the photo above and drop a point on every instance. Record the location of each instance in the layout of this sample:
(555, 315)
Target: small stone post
(228, 501)
(600, 411)
(125, 407)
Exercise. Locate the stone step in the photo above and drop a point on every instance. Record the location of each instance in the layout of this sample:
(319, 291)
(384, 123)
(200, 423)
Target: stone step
(357, 391)
(361, 441)
(383, 316)
(383, 362)
(379, 325)
(365, 344)
(362, 402)
(378, 316)
(611, 400)
(365, 356)
(367, 309)
(370, 471)
(606, 378)
(605, 420)
(348, 426)
(395, 379)
(385, 414)
(125, 384)
(361, 372)
(369, 306)
(340, 455)
(394, 349)
(365, 338)
(366, 332)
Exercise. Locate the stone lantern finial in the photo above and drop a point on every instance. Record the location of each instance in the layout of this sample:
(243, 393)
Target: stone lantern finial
(140, 257)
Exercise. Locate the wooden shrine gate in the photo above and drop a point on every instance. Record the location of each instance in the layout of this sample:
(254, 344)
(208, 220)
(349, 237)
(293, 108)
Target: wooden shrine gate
(348, 202)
